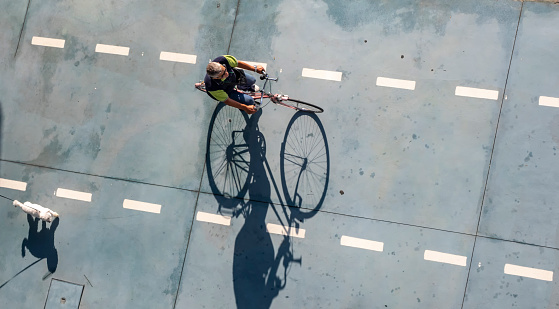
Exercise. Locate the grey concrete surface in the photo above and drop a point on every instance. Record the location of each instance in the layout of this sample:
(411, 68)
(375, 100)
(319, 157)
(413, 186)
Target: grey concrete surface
(522, 185)
(399, 158)
(316, 272)
(114, 104)
(489, 287)
(415, 170)
(122, 256)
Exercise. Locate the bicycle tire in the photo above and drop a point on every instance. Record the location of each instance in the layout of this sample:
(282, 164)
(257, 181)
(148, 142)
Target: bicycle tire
(305, 165)
(301, 106)
(228, 156)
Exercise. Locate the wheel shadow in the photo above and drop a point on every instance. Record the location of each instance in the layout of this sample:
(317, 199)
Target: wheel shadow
(243, 184)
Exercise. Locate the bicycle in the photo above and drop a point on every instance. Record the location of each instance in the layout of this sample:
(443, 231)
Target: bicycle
(237, 168)
(278, 99)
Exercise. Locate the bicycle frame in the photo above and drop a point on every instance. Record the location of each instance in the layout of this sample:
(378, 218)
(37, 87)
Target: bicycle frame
(276, 98)
(258, 95)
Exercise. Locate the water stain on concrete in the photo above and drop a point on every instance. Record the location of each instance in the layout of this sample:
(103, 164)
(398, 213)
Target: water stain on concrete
(528, 157)
(408, 16)
(12, 214)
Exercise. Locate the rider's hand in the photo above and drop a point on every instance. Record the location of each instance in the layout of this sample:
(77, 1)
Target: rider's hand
(250, 109)
(259, 69)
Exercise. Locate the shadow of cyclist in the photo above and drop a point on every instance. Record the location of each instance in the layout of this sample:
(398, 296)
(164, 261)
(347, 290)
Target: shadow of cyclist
(239, 152)
(254, 251)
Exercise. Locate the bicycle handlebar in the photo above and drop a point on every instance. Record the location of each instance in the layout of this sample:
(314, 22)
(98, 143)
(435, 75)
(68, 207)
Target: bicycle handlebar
(265, 76)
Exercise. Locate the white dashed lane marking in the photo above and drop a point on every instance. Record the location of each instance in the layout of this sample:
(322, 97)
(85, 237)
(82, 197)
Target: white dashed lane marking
(141, 206)
(12, 184)
(48, 42)
(282, 230)
(212, 218)
(396, 83)
(528, 272)
(74, 195)
(321, 74)
(112, 49)
(476, 93)
(264, 65)
(361, 243)
(176, 57)
(549, 101)
(447, 258)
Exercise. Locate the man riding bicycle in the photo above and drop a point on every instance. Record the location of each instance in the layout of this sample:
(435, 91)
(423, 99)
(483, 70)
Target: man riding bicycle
(223, 74)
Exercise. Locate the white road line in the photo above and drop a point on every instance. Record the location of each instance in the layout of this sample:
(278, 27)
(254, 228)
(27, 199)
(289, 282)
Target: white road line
(321, 74)
(37, 40)
(176, 57)
(396, 83)
(476, 93)
(212, 218)
(528, 272)
(361, 243)
(549, 101)
(12, 184)
(281, 230)
(74, 195)
(264, 65)
(112, 49)
(447, 258)
(141, 206)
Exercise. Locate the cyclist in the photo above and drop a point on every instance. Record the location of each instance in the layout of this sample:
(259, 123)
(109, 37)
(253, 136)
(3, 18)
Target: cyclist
(223, 74)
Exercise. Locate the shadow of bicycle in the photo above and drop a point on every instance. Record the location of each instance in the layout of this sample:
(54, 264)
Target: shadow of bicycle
(242, 182)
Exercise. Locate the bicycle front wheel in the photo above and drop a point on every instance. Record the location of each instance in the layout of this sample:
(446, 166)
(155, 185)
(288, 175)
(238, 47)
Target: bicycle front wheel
(301, 106)
(305, 165)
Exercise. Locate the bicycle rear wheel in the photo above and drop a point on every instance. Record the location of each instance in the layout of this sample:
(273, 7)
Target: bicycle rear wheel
(301, 106)
(228, 156)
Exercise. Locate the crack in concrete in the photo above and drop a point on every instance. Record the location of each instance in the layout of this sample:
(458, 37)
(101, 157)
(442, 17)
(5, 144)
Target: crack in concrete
(22, 26)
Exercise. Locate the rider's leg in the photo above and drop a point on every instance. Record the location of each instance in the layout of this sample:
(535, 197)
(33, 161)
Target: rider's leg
(251, 80)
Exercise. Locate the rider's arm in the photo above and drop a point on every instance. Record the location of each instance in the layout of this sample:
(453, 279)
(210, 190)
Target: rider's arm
(246, 66)
(222, 96)
(247, 108)
(233, 62)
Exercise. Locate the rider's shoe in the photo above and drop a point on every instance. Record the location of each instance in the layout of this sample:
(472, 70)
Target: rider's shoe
(255, 88)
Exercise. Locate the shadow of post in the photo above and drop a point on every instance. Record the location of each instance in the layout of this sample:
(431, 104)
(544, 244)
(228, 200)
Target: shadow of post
(237, 165)
(41, 243)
